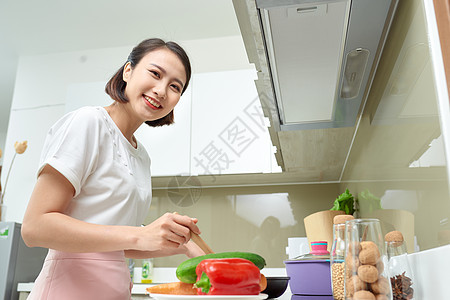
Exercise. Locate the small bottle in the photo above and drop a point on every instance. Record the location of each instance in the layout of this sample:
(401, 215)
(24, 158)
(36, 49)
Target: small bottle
(337, 256)
(131, 268)
(147, 270)
(400, 273)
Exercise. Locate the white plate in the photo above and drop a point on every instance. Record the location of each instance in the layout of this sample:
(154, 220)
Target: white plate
(209, 297)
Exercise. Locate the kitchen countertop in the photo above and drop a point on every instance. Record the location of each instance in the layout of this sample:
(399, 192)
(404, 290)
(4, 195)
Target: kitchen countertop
(163, 275)
(138, 289)
(428, 266)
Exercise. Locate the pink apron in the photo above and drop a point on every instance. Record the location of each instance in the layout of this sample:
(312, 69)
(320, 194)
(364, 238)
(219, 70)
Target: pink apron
(86, 276)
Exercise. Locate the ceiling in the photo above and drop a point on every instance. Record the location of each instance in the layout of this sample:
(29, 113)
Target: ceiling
(33, 27)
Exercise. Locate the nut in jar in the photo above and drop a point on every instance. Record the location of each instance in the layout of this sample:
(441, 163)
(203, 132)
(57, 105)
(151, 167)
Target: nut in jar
(365, 275)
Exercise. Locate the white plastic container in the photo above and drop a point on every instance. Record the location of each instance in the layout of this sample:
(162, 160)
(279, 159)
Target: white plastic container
(147, 270)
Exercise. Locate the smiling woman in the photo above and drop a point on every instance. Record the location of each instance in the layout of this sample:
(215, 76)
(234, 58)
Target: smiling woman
(169, 53)
(94, 186)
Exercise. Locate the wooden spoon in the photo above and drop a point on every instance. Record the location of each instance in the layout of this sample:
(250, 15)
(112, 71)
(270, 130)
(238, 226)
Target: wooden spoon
(200, 242)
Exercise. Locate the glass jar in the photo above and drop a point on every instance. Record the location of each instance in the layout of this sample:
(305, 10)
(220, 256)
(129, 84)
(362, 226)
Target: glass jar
(400, 273)
(337, 256)
(365, 259)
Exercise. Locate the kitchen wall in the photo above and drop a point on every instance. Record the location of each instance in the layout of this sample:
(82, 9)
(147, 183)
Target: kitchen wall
(259, 219)
(398, 151)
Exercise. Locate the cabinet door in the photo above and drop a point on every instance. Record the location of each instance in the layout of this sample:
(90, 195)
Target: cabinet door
(229, 131)
(169, 146)
(219, 127)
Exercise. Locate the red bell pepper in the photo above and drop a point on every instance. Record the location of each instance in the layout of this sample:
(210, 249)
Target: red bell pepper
(227, 276)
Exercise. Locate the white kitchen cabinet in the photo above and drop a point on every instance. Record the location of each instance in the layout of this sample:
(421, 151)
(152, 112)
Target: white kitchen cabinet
(169, 146)
(30, 125)
(229, 131)
(219, 127)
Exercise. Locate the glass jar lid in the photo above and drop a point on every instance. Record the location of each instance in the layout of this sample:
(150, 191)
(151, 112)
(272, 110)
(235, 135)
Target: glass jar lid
(318, 252)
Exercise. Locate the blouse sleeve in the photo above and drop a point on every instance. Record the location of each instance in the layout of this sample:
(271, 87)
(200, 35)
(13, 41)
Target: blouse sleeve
(71, 146)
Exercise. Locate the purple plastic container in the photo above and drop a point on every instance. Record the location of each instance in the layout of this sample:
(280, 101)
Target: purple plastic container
(309, 277)
(310, 273)
(309, 297)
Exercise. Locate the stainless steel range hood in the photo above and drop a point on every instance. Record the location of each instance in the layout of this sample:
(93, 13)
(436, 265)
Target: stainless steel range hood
(315, 61)
(304, 45)
(320, 54)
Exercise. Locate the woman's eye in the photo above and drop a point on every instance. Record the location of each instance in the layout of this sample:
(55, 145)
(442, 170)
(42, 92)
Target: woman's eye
(176, 87)
(154, 73)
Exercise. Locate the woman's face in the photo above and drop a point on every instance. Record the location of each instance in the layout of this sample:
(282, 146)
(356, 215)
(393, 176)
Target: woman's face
(155, 84)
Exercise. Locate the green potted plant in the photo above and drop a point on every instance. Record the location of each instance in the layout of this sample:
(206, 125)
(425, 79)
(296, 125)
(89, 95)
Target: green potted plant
(345, 202)
(319, 225)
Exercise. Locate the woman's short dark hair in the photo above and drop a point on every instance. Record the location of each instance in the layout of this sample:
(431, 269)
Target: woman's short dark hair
(115, 87)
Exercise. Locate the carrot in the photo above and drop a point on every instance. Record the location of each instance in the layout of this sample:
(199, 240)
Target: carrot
(182, 288)
(263, 283)
(173, 288)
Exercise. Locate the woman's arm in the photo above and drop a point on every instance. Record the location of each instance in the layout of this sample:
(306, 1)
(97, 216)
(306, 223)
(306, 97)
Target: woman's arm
(190, 249)
(46, 225)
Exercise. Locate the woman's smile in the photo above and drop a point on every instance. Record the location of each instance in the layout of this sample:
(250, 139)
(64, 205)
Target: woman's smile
(152, 103)
(156, 81)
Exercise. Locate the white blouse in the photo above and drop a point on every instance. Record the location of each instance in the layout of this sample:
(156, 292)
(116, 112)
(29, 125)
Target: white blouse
(111, 178)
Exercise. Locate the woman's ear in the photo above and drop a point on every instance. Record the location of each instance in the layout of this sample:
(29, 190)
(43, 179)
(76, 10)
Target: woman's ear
(126, 72)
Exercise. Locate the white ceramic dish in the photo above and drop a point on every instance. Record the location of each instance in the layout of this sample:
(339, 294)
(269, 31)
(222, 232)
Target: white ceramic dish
(209, 297)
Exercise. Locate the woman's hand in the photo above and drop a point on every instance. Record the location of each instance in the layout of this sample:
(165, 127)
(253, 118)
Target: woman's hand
(164, 240)
(170, 231)
(190, 249)
(193, 250)
(45, 224)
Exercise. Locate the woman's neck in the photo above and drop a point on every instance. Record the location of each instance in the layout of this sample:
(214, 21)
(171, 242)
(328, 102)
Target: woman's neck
(124, 120)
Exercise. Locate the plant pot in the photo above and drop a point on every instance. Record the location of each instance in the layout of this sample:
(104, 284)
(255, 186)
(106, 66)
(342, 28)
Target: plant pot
(319, 226)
